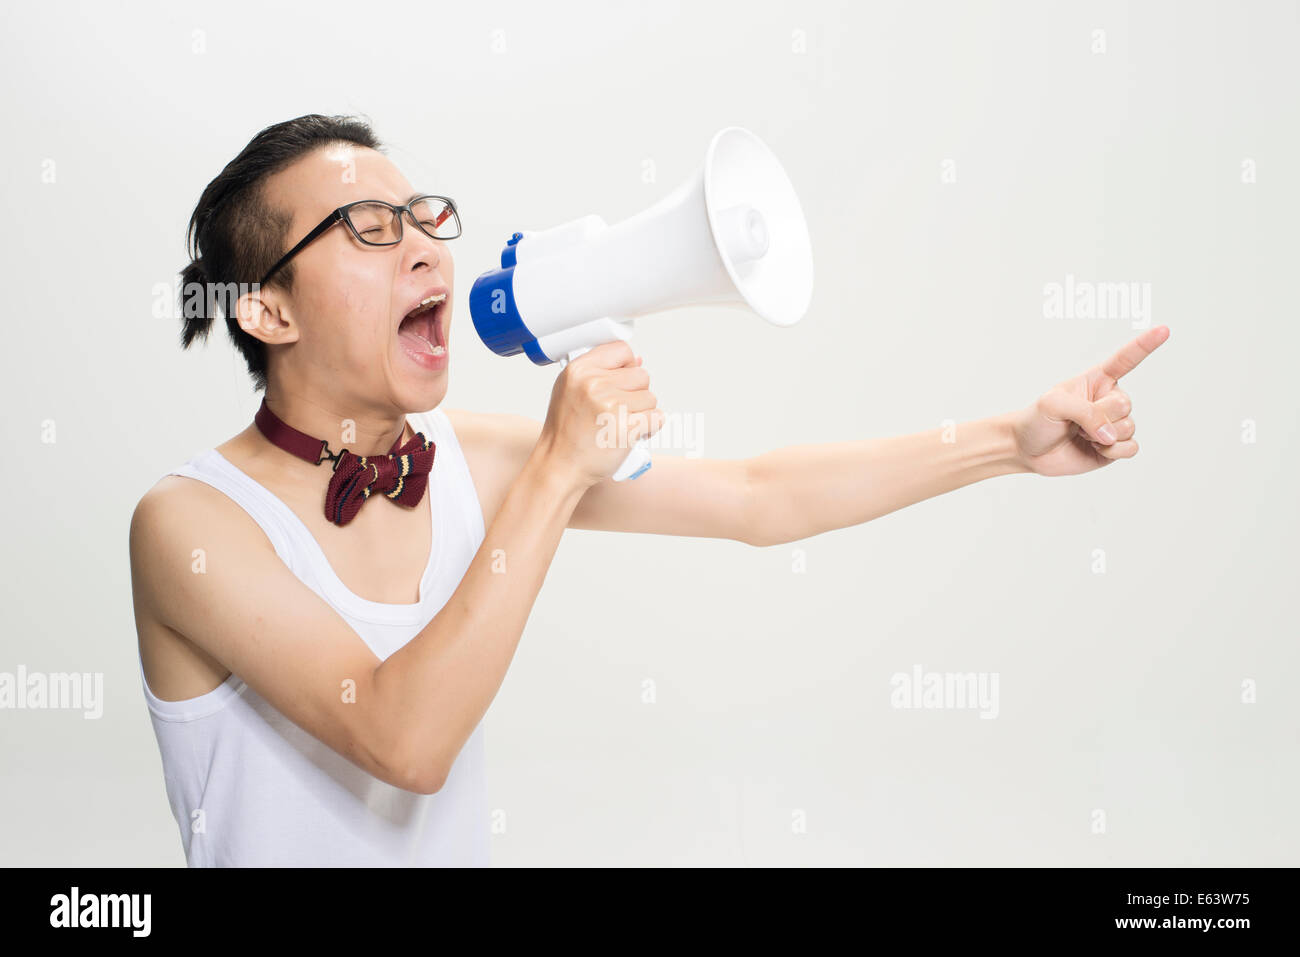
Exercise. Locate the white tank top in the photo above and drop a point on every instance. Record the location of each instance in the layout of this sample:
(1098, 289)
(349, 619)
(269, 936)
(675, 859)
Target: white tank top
(248, 787)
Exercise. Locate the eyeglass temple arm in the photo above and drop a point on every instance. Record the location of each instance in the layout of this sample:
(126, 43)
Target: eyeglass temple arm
(335, 217)
(340, 214)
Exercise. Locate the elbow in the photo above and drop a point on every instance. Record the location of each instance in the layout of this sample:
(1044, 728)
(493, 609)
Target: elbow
(757, 537)
(761, 539)
(427, 783)
(425, 778)
(756, 524)
(400, 753)
(415, 770)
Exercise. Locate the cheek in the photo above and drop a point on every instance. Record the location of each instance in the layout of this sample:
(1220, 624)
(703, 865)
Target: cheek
(354, 307)
(362, 319)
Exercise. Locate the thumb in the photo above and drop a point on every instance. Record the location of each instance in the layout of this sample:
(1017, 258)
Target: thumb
(1066, 407)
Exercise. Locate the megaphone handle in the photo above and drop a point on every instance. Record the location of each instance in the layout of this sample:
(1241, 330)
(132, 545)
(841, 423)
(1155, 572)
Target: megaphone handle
(638, 460)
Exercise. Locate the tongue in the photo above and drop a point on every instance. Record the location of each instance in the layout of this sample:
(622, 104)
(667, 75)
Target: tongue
(417, 333)
(416, 342)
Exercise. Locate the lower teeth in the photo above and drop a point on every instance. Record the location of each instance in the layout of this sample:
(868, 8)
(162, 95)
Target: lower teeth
(433, 350)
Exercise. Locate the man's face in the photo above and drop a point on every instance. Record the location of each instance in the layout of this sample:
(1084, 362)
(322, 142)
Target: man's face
(350, 299)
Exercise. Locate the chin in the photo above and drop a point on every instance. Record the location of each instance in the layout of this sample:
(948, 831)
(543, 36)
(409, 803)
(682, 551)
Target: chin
(421, 393)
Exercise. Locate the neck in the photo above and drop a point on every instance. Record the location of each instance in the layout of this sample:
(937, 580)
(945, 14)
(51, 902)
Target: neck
(363, 431)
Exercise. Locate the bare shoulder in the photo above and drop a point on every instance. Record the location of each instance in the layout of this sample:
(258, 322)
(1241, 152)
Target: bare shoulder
(496, 446)
(160, 511)
(176, 505)
(169, 522)
(178, 514)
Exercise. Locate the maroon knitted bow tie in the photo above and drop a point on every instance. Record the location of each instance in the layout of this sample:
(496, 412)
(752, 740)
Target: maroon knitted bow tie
(402, 475)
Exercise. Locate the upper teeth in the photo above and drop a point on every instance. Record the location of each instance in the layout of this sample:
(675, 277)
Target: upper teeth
(438, 298)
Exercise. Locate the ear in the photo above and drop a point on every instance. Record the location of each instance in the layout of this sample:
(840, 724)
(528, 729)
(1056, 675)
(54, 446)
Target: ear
(263, 314)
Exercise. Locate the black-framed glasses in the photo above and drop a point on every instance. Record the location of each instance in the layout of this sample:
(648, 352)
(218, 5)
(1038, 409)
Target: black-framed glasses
(376, 223)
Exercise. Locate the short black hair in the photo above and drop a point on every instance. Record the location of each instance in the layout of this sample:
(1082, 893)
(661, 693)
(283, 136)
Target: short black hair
(235, 235)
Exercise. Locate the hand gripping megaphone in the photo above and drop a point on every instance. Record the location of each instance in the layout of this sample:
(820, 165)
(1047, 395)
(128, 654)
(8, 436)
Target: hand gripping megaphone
(732, 235)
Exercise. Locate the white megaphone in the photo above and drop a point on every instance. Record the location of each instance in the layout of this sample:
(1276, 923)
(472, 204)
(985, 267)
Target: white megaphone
(733, 234)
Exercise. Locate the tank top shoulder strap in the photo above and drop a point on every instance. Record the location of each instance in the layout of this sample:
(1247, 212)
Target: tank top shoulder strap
(291, 540)
(213, 469)
(454, 476)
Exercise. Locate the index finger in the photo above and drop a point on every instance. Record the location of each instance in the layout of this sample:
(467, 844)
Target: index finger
(1126, 359)
(612, 355)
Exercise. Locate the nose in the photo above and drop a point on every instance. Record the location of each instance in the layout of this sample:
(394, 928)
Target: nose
(420, 249)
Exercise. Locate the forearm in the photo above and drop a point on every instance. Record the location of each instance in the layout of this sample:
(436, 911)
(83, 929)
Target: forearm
(439, 685)
(804, 490)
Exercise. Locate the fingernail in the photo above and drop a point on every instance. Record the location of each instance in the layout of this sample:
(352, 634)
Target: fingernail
(1107, 433)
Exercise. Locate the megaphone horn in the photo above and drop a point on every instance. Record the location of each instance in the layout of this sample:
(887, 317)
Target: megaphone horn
(733, 234)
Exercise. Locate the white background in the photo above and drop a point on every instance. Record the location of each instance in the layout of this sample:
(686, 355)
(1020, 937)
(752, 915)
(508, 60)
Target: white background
(1119, 692)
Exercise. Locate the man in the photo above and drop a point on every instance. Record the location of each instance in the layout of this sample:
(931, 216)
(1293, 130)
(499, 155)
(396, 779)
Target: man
(317, 671)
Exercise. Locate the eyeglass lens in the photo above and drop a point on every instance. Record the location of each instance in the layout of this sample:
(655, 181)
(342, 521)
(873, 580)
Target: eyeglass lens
(378, 224)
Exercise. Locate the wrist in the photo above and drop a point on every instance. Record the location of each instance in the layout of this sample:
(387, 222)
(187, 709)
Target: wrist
(555, 472)
(1007, 453)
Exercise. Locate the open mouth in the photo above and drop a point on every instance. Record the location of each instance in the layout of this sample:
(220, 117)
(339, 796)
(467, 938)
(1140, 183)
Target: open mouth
(421, 329)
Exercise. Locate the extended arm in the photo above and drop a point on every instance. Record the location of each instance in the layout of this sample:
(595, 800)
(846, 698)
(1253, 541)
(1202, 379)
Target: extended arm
(787, 494)
(778, 496)
(1079, 425)
(804, 490)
